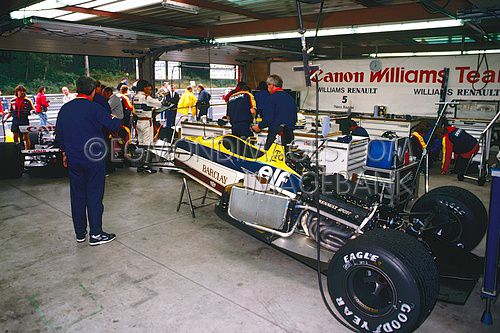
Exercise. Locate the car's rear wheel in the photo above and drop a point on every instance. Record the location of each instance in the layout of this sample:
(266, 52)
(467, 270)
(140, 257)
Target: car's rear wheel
(460, 217)
(11, 160)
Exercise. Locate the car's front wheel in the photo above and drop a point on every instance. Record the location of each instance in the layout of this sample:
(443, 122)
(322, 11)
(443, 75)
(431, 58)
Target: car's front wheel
(383, 281)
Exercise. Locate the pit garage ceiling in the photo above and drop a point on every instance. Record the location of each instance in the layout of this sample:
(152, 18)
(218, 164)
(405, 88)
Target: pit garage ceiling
(132, 28)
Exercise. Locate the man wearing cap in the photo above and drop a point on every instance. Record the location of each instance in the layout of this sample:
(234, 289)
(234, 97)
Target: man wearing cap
(144, 106)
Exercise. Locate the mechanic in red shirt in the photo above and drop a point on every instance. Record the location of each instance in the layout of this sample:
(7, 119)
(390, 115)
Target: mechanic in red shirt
(42, 105)
(464, 145)
(20, 109)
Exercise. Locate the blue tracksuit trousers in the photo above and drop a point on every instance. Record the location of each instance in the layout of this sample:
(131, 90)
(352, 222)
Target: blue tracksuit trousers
(87, 191)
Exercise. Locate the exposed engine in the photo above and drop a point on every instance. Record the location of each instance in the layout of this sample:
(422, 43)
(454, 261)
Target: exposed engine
(332, 235)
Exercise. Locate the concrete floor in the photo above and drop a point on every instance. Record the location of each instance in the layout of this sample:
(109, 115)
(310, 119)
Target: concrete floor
(166, 272)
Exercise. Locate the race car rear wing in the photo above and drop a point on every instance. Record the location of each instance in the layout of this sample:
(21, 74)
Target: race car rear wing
(32, 152)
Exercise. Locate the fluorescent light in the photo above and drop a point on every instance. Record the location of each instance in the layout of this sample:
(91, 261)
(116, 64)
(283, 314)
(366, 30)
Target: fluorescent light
(409, 26)
(491, 51)
(414, 54)
(127, 5)
(436, 40)
(180, 6)
(249, 38)
(75, 17)
(430, 53)
(366, 29)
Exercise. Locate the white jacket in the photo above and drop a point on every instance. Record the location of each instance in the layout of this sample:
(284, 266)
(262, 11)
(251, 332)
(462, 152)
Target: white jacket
(144, 105)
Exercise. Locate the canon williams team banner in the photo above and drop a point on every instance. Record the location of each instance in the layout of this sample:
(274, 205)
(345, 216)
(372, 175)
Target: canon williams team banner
(405, 85)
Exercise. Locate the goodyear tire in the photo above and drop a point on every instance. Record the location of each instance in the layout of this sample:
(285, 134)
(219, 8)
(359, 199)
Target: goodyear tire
(383, 281)
(11, 160)
(467, 216)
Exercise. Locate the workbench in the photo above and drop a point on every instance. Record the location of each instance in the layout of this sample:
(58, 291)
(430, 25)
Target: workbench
(377, 126)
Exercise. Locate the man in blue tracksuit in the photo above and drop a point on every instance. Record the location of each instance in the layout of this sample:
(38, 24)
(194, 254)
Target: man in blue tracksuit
(79, 134)
(241, 112)
(280, 113)
(261, 95)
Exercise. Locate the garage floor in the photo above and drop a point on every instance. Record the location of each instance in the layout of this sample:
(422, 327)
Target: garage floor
(166, 272)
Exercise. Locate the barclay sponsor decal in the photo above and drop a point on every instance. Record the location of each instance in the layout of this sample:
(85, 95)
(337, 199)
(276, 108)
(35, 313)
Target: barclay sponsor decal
(214, 174)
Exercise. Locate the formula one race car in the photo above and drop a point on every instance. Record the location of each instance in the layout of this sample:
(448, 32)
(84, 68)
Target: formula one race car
(382, 263)
(43, 157)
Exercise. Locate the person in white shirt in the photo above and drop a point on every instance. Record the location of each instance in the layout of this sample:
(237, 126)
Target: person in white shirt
(67, 96)
(144, 107)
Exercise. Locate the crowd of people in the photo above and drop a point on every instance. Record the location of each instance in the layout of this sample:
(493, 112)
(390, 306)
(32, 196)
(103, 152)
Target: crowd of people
(102, 112)
(98, 112)
(136, 108)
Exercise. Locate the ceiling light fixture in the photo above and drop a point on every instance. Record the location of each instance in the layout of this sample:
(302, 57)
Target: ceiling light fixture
(353, 30)
(180, 6)
(430, 53)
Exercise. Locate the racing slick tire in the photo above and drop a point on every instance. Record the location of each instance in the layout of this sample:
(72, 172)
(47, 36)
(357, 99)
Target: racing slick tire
(383, 281)
(11, 160)
(467, 216)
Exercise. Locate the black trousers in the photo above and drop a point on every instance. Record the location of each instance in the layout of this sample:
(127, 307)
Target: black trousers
(287, 137)
(202, 111)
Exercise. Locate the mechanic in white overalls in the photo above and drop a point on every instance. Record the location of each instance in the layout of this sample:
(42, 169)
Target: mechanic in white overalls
(144, 105)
